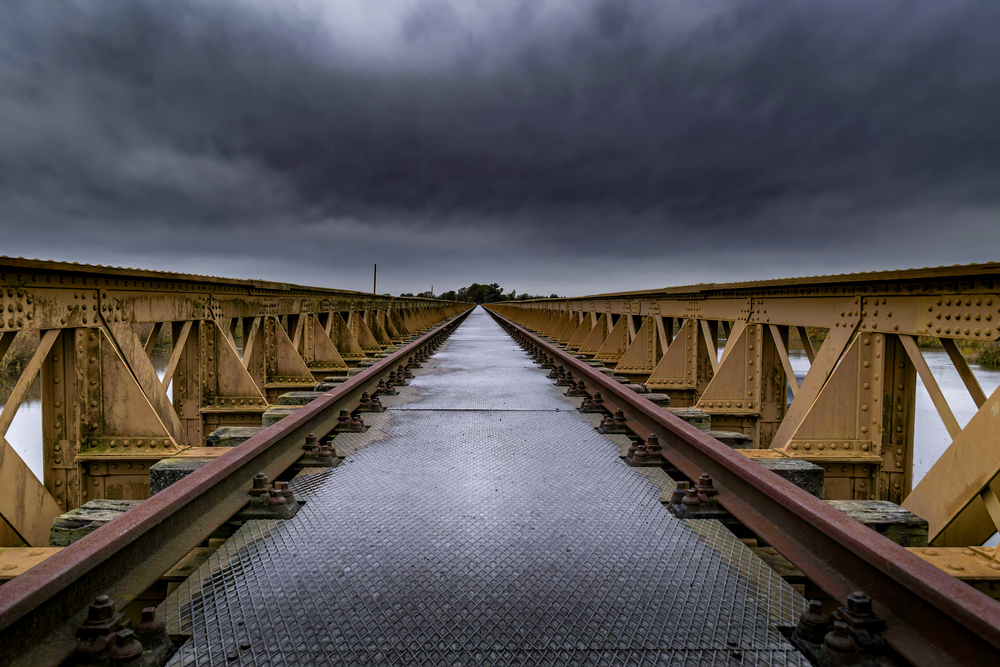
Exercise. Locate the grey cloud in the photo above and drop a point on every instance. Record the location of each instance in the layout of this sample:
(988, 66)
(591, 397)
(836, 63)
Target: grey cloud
(523, 139)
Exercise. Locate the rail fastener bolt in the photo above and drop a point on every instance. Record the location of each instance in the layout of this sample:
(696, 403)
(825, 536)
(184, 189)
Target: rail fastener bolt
(127, 649)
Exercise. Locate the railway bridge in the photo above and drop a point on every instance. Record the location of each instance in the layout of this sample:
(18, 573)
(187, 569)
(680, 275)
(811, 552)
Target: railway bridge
(313, 476)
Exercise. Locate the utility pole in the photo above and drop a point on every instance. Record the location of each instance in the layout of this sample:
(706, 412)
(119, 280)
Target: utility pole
(375, 280)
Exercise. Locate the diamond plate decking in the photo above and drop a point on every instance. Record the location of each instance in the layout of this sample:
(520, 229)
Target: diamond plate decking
(481, 520)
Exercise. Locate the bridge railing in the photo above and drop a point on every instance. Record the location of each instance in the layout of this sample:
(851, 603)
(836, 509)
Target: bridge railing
(931, 617)
(854, 411)
(108, 413)
(41, 609)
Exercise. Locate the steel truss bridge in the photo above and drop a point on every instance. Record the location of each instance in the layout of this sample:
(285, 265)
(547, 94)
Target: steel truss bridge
(461, 508)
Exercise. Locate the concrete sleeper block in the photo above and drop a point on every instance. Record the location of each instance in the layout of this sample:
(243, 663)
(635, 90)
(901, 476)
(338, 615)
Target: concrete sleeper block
(697, 418)
(276, 413)
(298, 398)
(888, 519)
(231, 436)
(732, 439)
(803, 474)
(74, 524)
(164, 473)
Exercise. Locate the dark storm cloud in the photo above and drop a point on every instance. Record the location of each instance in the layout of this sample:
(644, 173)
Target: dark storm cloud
(466, 137)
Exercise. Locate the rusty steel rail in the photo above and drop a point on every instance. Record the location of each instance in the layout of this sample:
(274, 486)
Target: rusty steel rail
(40, 609)
(933, 619)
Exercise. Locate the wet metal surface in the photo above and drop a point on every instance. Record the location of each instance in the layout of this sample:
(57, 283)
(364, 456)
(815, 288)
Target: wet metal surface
(482, 521)
(481, 368)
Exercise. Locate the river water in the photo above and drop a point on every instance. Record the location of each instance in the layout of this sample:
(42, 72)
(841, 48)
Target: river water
(930, 439)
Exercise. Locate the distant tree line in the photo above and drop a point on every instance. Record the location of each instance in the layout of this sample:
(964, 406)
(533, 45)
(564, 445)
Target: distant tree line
(476, 293)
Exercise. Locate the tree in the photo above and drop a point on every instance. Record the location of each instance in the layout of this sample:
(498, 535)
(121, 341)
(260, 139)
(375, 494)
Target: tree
(483, 293)
(406, 294)
(475, 293)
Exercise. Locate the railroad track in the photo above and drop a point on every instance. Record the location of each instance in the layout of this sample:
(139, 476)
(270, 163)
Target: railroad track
(472, 501)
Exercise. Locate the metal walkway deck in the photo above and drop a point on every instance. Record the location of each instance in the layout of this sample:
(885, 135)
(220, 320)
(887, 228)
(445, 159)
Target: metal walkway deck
(482, 520)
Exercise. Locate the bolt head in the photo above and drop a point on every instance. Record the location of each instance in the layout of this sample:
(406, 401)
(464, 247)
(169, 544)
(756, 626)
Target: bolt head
(839, 639)
(814, 615)
(126, 646)
(859, 603)
(102, 609)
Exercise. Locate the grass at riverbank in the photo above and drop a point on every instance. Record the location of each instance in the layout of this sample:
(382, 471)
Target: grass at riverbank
(982, 352)
(19, 353)
(162, 346)
(988, 354)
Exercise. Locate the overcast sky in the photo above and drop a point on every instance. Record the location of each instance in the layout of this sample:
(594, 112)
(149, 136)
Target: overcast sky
(571, 146)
